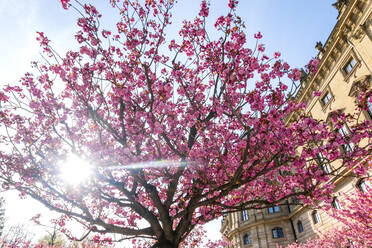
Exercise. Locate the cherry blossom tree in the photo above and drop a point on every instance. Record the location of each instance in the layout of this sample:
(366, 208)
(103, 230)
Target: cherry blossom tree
(177, 130)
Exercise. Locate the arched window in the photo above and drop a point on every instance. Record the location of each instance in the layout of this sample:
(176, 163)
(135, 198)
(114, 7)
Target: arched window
(336, 204)
(300, 227)
(278, 233)
(363, 185)
(244, 215)
(274, 209)
(246, 239)
(316, 217)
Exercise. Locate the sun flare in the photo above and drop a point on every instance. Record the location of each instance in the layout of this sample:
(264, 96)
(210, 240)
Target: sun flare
(74, 170)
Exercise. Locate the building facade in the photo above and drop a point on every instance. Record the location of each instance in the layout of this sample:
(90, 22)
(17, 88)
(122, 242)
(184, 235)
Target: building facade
(345, 68)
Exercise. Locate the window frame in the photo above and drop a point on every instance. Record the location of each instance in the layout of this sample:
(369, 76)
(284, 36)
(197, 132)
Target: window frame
(349, 66)
(300, 227)
(247, 239)
(273, 209)
(277, 233)
(327, 96)
(244, 215)
(363, 185)
(324, 165)
(326, 91)
(369, 106)
(336, 204)
(316, 217)
(346, 62)
(344, 131)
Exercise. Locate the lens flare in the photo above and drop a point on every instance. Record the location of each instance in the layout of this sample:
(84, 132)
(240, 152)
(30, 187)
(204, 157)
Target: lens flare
(152, 164)
(74, 170)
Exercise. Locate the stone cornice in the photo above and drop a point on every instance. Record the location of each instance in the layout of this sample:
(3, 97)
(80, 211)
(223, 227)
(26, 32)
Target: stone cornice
(336, 44)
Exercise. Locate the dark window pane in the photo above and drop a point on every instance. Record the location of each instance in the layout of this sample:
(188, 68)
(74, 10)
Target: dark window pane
(326, 98)
(336, 204)
(369, 106)
(244, 215)
(300, 227)
(274, 209)
(246, 239)
(323, 163)
(349, 66)
(316, 217)
(344, 132)
(363, 185)
(278, 233)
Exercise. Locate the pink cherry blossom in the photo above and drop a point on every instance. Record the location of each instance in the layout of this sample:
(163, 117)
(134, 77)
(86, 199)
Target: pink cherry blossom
(65, 3)
(258, 35)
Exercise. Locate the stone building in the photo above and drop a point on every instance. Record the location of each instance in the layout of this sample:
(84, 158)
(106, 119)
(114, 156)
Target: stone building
(345, 68)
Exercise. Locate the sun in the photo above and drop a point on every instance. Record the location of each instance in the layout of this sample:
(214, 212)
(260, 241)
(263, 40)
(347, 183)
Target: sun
(75, 170)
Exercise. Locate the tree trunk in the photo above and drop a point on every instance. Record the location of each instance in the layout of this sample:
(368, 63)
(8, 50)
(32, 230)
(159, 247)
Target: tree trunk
(164, 243)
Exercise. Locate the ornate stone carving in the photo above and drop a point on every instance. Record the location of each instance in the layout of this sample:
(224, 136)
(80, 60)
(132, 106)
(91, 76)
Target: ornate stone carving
(367, 28)
(346, 30)
(361, 84)
(319, 46)
(340, 4)
(358, 34)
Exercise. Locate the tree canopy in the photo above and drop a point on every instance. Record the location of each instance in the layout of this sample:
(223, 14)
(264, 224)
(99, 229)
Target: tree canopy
(177, 130)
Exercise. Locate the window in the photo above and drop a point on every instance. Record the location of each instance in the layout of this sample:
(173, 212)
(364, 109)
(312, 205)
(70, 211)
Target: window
(244, 215)
(336, 204)
(300, 227)
(246, 239)
(369, 106)
(326, 98)
(344, 132)
(326, 168)
(349, 66)
(274, 209)
(278, 233)
(363, 185)
(316, 217)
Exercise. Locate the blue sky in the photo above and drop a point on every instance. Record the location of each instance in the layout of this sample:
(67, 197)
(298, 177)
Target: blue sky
(291, 27)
